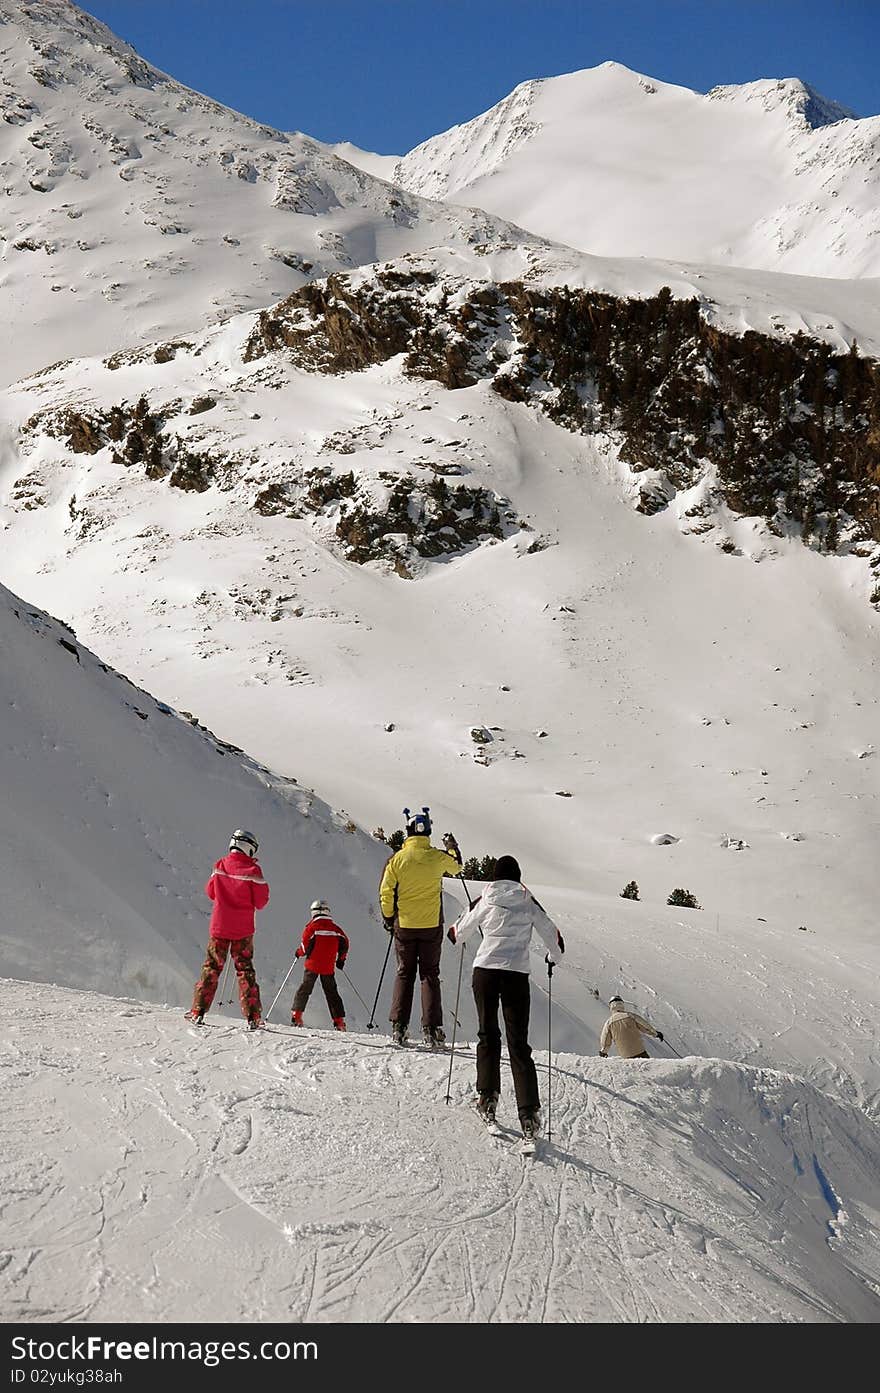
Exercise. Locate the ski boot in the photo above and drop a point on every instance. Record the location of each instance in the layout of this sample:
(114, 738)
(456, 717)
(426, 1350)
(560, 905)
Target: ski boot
(296, 1018)
(255, 1023)
(338, 1022)
(485, 1105)
(531, 1128)
(434, 1037)
(195, 1017)
(398, 1033)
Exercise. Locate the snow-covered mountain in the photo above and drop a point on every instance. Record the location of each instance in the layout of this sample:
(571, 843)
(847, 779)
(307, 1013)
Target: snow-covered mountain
(233, 503)
(768, 175)
(137, 209)
(579, 549)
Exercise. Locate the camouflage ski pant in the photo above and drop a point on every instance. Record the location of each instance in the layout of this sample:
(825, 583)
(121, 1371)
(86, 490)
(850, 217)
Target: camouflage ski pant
(215, 959)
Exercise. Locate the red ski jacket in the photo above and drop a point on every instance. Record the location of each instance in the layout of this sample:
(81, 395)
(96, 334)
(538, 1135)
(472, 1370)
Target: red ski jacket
(322, 943)
(238, 890)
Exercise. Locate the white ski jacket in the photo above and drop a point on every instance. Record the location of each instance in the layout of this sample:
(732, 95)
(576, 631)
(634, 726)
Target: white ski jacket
(507, 913)
(625, 1028)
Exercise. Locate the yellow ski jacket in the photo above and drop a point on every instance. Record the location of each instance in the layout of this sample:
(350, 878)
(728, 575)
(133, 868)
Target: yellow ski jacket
(411, 884)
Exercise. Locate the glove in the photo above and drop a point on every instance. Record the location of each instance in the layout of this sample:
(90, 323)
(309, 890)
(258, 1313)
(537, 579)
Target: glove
(603, 1054)
(551, 962)
(340, 962)
(660, 1036)
(449, 841)
(389, 923)
(450, 933)
(560, 941)
(298, 953)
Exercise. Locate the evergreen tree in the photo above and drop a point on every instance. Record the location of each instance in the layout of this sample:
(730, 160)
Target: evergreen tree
(683, 899)
(630, 891)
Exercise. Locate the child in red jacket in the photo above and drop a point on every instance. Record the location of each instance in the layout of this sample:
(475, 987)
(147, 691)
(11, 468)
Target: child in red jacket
(238, 890)
(325, 947)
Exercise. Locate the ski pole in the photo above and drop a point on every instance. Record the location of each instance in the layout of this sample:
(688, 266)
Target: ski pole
(454, 1024)
(353, 987)
(280, 990)
(460, 877)
(223, 981)
(371, 1023)
(550, 966)
(672, 1047)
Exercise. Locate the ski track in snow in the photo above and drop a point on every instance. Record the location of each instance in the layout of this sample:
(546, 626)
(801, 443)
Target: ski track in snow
(311, 1177)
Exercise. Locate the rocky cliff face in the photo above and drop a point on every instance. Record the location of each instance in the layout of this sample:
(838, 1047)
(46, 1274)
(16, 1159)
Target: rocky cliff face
(395, 516)
(783, 429)
(716, 424)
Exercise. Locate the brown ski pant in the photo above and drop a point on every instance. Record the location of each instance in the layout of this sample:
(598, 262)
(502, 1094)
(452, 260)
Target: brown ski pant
(418, 950)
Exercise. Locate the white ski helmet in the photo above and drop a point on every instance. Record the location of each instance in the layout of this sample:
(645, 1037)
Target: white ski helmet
(244, 841)
(616, 1001)
(319, 909)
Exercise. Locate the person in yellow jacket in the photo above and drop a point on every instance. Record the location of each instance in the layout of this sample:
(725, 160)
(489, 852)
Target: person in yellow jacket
(625, 1028)
(411, 899)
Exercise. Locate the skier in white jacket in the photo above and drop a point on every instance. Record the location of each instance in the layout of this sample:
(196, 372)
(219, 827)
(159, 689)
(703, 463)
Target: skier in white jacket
(506, 913)
(624, 1029)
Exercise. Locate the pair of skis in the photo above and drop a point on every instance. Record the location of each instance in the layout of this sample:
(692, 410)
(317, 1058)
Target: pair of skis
(528, 1145)
(434, 1047)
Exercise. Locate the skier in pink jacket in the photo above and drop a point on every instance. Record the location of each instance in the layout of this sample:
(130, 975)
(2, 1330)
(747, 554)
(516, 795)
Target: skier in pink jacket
(238, 890)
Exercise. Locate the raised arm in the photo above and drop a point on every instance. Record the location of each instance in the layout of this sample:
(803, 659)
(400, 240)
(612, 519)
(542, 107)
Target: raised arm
(466, 923)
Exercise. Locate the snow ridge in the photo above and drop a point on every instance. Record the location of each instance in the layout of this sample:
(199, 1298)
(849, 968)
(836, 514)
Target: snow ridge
(768, 175)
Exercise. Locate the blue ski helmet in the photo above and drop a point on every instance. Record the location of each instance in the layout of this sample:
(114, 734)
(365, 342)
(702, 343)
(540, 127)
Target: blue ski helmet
(418, 824)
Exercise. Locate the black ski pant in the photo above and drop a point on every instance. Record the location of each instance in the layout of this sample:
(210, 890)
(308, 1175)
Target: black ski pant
(494, 986)
(331, 991)
(418, 950)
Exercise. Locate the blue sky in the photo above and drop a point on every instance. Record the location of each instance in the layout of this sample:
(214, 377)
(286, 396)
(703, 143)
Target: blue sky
(387, 74)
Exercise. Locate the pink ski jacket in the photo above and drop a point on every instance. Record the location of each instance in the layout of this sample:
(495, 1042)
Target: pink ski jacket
(238, 890)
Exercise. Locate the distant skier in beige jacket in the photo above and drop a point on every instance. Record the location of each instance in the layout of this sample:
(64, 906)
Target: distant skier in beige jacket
(624, 1029)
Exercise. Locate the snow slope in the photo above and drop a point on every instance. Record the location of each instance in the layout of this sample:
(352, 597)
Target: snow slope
(137, 209)
(768, 175)
(382, 166)
(682, 1191)
(115, 809)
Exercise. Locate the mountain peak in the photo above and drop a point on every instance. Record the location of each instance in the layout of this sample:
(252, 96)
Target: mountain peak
(790, 95)
(616, 163)
(138, 209)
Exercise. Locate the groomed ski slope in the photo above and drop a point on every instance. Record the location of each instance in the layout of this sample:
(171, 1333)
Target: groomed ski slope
(152, 1172)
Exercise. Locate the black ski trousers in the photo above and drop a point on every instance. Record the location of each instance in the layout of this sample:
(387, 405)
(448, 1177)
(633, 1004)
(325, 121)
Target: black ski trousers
(331, 991)
(494, 986)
